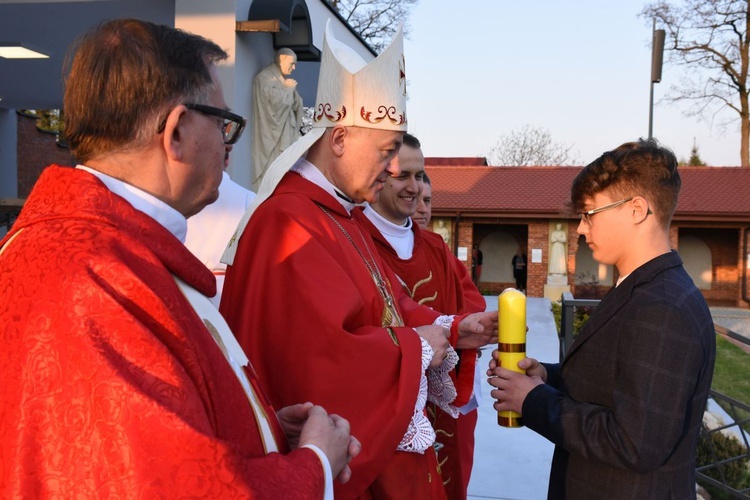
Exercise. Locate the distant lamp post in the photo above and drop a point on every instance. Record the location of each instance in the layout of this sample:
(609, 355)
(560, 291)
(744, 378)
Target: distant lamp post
(657, 56)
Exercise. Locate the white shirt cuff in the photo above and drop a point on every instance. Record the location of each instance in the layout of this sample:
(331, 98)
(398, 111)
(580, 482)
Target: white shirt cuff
(328, 492)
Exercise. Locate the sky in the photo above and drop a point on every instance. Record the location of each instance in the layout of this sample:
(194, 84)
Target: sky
(581, 69)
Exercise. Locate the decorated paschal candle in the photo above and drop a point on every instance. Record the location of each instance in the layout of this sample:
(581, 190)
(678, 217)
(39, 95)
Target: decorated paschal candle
(511, 339)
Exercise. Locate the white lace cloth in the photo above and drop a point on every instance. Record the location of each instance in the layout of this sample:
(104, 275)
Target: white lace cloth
(440, 390)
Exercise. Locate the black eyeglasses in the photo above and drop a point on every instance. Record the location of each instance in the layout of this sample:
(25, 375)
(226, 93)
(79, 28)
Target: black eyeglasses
(233, 124)
(231, 128)
(586, 216)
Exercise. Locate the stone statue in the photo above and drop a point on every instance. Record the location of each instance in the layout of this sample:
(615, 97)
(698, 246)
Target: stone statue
(277, 112)
(443, 231)
(558, 253)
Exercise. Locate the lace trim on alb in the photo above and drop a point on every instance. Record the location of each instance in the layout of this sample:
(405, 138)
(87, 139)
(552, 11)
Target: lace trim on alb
(419, 434)
(445, 321)
(441, 390)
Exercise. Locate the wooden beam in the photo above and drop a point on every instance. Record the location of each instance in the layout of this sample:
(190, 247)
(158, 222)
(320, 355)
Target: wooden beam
(269, 26)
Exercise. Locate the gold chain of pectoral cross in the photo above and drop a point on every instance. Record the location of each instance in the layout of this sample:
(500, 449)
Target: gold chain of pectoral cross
(391, 317)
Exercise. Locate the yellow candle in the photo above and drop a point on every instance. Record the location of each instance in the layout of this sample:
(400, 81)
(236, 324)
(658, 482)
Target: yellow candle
(511, 338)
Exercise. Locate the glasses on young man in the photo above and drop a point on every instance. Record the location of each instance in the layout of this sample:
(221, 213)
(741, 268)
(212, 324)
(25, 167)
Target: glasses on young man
(233, 124)
(586, 216)
(231, 128)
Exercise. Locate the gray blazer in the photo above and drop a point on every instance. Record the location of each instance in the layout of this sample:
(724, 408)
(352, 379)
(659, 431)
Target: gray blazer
(625, 407)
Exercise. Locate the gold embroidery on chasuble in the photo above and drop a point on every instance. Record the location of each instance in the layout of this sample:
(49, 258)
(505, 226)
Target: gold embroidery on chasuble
(216, 336)
(390, 316)
(392, 334)
(423, 300)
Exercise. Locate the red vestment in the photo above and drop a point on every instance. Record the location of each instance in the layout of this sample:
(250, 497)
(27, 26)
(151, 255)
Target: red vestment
(112, 385)
(435, 277)
(307, 312)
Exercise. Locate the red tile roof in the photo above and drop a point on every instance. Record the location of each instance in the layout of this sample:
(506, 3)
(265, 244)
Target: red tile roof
(468, 161)
(716, 193)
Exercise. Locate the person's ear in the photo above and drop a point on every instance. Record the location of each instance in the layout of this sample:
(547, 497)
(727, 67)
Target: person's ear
(639, 209)
(337, 139)
(175, 133)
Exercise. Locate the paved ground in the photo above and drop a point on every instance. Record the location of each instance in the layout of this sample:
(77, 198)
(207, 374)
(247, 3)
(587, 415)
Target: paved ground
(514, 463)
(732, 318)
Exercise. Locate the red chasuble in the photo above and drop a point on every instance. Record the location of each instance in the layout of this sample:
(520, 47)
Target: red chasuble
(111, 384)
(434, 277)
(307, 312)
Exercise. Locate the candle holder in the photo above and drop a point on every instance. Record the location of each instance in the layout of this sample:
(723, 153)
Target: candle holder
(511, 342)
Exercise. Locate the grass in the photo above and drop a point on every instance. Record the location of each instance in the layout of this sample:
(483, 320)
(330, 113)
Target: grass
(732, 378)
(732, 371)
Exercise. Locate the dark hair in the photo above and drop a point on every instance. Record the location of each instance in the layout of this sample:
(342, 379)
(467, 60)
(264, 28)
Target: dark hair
(641, 168)
(126, 75)
(411, 141)
(426, 179)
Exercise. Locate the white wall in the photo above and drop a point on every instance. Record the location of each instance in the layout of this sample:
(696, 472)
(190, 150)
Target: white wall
(697, 259)
(498, 249)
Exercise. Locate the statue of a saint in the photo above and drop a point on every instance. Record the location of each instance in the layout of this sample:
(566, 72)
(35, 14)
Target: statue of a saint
(277, 112)
(443, 231)
(558, 252)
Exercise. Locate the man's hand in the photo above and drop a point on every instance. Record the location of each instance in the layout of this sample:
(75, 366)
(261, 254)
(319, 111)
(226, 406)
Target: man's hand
(511, 388)
(533, 367)
(477, 330)
(290, 83)
(437, 337)
(292, 419)
(309, 424)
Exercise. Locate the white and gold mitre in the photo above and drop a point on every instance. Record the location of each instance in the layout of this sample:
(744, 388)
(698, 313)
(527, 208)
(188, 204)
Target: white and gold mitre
(354, 93)
(351, 93)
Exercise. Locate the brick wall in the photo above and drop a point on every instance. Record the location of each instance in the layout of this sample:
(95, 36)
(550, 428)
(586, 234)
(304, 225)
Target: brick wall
(727, 262)
(465, 239)
(536, 276)
(36, 150)
(724, 240)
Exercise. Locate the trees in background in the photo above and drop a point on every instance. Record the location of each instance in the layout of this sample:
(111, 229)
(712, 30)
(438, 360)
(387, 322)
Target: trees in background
(695, 158)
(376, 21)
(530, 146)
(710, 38)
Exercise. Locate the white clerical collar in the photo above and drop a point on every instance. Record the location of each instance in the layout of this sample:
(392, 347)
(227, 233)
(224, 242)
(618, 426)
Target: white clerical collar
(172, 220)
(314, 175)
(401, 238)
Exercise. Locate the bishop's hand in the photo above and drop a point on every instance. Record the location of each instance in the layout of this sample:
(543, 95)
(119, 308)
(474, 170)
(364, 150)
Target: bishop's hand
(437, 337)
(477, 330)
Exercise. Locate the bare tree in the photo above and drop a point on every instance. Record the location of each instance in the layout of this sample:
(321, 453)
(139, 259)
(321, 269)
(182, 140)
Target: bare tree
(376, 21)
(710, 38)
(530, 146)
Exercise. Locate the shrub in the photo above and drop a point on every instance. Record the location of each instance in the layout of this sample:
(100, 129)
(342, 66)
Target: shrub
(716, 447)
(581, 316)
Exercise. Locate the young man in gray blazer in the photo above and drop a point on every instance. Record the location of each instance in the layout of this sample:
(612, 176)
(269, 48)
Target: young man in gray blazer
(625, 407)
